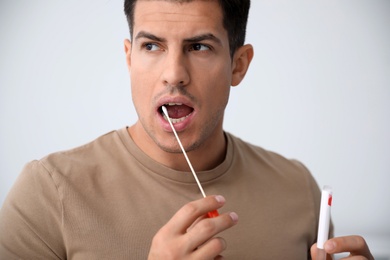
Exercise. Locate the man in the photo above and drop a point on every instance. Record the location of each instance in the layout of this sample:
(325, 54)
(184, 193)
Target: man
(129, 194)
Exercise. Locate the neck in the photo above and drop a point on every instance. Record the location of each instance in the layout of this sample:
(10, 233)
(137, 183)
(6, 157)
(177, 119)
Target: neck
(207, 156)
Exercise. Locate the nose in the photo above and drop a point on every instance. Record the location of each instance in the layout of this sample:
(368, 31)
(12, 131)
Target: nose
(175, 72)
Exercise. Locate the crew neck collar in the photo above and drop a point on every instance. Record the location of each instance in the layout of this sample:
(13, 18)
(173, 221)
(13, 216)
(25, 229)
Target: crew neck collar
(174, 175)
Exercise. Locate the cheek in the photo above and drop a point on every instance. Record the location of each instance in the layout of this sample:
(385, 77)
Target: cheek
(220, 79)
(140, 90)
(218, 73)
(214, 82)
(142, 76)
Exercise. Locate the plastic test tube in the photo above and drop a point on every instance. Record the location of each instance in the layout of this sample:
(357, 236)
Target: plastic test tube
(324, 221)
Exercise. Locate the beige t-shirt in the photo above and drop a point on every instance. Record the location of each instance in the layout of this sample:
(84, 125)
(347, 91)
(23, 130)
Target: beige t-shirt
(107, 199)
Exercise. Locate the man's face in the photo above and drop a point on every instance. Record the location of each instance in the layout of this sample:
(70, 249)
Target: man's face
(179, 57)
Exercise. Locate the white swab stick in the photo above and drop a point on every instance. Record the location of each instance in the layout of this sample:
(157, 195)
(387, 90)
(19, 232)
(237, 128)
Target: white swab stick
(184, 152)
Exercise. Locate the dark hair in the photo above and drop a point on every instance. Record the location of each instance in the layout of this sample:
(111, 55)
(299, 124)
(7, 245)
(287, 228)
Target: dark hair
(235, 16)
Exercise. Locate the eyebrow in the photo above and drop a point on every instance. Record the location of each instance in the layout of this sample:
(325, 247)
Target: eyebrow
(195, 39)
(203, 37)
(143, 34)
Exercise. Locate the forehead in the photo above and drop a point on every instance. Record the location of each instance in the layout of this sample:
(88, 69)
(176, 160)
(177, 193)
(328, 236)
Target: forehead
(160, 15)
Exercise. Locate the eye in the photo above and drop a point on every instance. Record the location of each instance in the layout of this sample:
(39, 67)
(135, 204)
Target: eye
(199, 47)
(151, 46)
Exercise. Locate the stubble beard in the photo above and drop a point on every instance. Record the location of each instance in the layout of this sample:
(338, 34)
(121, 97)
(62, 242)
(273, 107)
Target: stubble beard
(205, 132)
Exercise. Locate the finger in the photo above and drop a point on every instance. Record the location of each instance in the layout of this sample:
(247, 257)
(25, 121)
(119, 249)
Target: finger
(209, 227)
(314, 250)
(188, 214)
(211, 249)
(196, 222)
(355, 245)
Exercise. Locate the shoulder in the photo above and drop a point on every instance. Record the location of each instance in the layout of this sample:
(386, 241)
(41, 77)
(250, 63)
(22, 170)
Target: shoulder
(256, 154)
(32, 205)
(271, 166)
(85, 155)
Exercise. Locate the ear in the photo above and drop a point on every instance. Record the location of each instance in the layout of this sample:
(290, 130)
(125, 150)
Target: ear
(241, 60)
(128, 52)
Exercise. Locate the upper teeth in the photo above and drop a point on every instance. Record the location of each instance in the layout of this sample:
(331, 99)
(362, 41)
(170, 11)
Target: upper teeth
(174, 104)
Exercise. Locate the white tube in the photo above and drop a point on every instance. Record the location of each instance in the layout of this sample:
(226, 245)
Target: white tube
(324, 221)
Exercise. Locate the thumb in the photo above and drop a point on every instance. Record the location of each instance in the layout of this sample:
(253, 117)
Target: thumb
(313, 253)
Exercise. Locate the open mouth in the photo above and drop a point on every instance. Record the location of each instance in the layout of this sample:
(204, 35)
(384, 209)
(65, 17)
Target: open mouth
(178, 112)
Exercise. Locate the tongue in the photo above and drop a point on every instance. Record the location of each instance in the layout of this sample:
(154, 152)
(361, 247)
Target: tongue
(179, 111)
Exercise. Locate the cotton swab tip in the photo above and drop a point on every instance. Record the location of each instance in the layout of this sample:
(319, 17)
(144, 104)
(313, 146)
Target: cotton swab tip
(164, 109)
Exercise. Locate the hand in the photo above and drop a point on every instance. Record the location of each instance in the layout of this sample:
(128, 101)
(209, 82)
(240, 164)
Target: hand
(355, 245)
(189, 234)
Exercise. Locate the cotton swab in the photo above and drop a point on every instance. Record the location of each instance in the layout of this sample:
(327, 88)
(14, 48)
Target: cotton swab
(213, 213)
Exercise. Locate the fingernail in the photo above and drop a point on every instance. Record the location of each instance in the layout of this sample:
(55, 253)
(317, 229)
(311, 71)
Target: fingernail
(329, 246)
(234, 216)
(224, 245)
(220, 199)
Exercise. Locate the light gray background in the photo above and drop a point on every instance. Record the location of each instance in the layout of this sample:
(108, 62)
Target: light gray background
(318, 90)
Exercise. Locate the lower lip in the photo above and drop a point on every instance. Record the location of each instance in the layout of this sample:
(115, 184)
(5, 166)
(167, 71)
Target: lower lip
(178, 126)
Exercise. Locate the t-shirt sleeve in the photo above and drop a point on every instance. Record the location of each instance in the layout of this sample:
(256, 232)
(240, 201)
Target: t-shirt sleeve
(31, 217)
